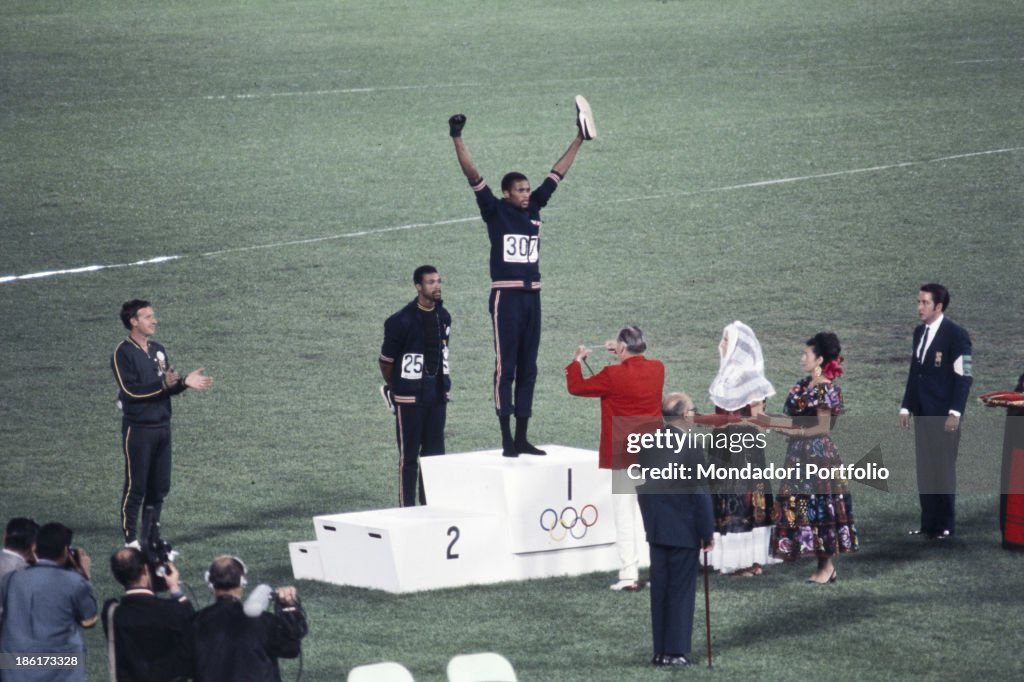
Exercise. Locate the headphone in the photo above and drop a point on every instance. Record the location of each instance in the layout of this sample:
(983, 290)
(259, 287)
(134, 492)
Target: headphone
(242, 582)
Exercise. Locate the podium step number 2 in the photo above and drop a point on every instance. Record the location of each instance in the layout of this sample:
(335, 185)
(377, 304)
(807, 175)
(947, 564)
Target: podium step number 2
(490, 519)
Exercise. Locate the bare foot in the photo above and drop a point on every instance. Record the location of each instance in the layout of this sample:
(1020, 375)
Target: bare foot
(823, 578)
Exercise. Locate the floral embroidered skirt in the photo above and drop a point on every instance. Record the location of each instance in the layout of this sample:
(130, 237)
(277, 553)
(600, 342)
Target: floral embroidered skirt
(813, 516)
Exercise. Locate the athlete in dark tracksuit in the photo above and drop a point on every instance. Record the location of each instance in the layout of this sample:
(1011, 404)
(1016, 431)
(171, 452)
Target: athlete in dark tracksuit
(414, 363)
(513, 227)
(145, 383)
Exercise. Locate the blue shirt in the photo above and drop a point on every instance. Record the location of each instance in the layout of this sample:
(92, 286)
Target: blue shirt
(45, 607)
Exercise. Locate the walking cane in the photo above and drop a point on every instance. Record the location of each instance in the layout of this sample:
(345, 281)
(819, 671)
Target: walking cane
(707, 607)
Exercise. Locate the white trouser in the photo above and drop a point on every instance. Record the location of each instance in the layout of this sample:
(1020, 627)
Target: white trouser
(625, 508)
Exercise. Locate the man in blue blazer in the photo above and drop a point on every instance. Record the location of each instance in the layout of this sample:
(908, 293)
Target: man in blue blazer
(936, 394)
(679, 522)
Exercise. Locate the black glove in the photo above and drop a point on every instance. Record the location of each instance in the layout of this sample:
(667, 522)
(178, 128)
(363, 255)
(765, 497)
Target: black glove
(455, 124)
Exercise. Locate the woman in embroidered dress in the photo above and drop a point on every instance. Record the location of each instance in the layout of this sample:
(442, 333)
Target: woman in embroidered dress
(742, 508)
(813, 515)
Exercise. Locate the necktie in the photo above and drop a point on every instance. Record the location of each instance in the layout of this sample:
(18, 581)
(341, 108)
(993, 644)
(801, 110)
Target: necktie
(924, 344)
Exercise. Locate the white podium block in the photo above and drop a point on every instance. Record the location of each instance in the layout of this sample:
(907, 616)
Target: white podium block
(562, 562)
(558, 501)
(412, 548)
(306, 563)
(490, 519)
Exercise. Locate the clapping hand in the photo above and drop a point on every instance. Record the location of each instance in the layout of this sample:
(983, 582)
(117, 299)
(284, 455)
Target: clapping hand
(197, 380)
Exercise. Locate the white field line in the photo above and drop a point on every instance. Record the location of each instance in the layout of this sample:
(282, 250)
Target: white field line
(989, 61)
(412, 226)
(163, 259)
(589, 79)
(341, 91)
(85, 268)
(385, 88)
(328, 92)
(346, 235)
(819, 176)
(324, 92)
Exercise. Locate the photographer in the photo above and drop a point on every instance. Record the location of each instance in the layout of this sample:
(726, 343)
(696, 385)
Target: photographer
(242, 643)
(46, 604)
(150, 636)
(19, 539)
(19, 536)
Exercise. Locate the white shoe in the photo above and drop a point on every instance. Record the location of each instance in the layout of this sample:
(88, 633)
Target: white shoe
(389, 400)
(627, 586)
(134, 544)
(584, 118)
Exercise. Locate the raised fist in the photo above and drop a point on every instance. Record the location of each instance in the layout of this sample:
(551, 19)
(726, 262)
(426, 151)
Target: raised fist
(455, 124)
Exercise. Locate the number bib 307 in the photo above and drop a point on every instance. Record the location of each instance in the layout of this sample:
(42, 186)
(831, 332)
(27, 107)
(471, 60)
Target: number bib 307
(520, 248)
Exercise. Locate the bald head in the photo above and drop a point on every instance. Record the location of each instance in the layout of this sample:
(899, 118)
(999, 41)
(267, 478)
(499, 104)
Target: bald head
(675, 406)
(226, 573)
(129, 567)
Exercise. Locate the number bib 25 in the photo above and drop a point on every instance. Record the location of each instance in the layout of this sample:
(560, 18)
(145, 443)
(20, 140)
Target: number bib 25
(412, 366)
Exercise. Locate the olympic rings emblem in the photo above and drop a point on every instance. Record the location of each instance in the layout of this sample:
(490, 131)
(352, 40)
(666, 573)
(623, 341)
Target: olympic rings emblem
(568, 522)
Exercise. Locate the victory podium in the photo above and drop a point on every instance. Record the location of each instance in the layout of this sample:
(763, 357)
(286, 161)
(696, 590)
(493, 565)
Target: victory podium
(488, 519)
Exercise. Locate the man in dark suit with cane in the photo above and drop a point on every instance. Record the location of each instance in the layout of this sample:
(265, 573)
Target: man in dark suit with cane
(679, 522)
(936, 394)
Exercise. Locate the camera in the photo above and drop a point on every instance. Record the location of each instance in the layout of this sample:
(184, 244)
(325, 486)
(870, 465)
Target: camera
(158, 553)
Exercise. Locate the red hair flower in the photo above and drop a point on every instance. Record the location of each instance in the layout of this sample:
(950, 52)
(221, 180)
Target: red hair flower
(832, 370)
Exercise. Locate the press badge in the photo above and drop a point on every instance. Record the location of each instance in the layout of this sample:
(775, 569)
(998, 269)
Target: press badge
(938, 358)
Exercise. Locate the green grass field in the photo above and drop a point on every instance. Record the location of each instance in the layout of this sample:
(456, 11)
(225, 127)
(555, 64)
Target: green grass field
(795, 165)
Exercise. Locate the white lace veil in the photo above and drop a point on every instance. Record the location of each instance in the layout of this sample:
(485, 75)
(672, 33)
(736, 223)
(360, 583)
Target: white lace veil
(740, 380)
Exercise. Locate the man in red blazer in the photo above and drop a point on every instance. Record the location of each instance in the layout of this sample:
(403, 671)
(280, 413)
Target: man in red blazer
(631, 388)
